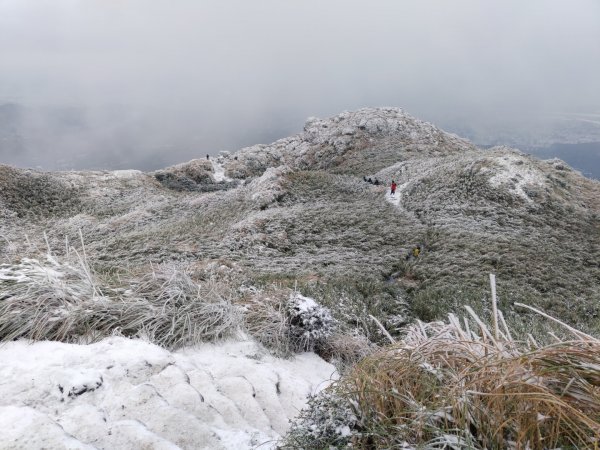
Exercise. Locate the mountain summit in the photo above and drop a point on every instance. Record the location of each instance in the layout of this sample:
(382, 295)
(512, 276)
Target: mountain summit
(356, 142)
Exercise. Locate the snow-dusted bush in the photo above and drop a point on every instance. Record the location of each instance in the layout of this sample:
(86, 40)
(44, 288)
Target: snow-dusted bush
(328, 421)
(287, 322)
(310, 323)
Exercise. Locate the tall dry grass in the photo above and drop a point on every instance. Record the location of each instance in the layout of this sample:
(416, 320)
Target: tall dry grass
(65, 300)
(463, 385)
(448, 386)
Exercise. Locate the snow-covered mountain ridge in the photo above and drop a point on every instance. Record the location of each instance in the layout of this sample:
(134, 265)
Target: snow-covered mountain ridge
(201, 250)
(349, 142)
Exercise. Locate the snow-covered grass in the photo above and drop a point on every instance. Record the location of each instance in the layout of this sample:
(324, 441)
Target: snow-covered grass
(66, 301)
(462, 385)
(122, 394)
(517, 175)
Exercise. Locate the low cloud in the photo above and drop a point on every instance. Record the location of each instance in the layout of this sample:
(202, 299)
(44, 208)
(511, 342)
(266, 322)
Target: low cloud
(145, 83)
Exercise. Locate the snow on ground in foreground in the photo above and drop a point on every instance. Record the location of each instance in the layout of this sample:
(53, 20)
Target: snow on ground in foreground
(124, 394)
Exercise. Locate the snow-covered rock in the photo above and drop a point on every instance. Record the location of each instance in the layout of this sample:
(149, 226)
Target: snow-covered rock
(267, 188)
(123, 394)
(326, 143)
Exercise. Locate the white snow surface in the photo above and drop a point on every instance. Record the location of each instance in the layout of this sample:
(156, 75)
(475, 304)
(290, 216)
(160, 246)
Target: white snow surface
(126, 394)
(219, 171)
(516, 173)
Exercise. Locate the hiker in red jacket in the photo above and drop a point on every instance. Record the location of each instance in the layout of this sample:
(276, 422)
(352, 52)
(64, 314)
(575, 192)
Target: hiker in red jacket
(393, 189)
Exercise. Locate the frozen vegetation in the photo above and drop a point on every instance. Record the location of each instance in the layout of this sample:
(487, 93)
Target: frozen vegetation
(233, 268)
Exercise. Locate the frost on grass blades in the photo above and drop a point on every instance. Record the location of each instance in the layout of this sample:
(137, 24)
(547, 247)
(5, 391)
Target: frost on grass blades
(66, 301)
(462, 385)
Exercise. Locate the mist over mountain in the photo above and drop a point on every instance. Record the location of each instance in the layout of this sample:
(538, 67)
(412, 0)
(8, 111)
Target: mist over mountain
(219, 230)
(144, 86)
(118, 137)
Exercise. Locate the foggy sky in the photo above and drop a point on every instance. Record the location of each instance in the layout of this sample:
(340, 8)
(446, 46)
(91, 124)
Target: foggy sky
(147, 83)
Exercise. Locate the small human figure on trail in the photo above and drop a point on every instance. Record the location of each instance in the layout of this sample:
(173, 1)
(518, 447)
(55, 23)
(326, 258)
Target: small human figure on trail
(370, 181)
(393, 189)
(365, 179)
(414, 253)
(207, 157)
(376, 182)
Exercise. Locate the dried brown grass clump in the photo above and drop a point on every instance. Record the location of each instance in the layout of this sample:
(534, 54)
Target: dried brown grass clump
(266, 319)
(445, 386)
(345, 350)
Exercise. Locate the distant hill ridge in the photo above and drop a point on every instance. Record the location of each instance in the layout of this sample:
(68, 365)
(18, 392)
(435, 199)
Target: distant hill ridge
(351, 142)
(297, 212)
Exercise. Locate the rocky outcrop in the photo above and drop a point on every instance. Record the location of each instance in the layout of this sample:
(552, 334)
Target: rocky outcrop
(356, 142)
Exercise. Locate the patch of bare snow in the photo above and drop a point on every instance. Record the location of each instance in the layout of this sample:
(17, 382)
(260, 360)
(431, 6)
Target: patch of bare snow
(515, 172)
(131, 173)
(219, 171)
(122, 394)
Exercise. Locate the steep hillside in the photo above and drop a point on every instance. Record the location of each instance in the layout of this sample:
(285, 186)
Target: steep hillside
(288, 247)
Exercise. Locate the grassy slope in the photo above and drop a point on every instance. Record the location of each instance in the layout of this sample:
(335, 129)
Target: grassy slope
(335, 236)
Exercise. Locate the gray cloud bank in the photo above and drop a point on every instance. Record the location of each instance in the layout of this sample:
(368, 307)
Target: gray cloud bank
(145, 83)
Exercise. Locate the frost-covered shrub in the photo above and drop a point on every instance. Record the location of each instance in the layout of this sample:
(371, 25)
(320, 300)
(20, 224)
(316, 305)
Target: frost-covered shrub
(328, 421)
(286, 322)
(310, 323)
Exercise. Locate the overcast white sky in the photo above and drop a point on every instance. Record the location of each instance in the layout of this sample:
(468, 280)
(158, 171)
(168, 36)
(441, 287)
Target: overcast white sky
(162, 81)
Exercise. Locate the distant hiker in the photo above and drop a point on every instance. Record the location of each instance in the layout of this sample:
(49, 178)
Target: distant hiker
(365, 178)
(393, 189)
(414, 253)
(370, 181)
(207, 157)
(376, 182)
